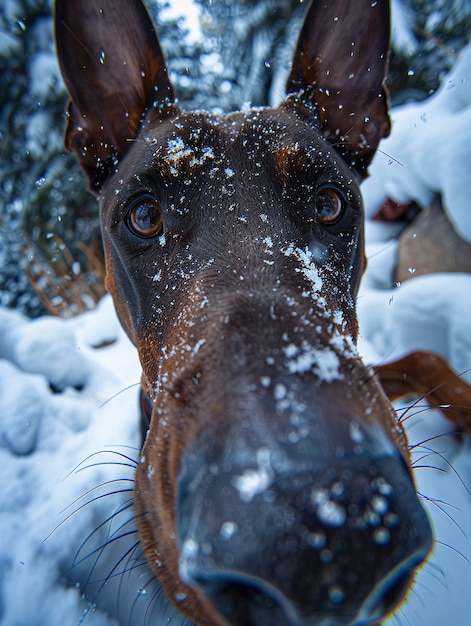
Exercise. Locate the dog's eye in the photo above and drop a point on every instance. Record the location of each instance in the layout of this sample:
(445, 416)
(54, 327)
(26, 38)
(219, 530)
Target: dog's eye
(144, 217)
(330, 205)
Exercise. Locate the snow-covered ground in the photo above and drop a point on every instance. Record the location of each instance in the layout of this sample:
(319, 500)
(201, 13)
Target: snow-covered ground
(46, 436)
(64, 448)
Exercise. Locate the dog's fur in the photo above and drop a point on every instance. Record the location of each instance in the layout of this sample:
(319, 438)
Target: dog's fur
(275, 484)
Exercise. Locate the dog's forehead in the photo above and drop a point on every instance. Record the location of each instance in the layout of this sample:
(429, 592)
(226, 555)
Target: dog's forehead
(245, 141)
(255, 123)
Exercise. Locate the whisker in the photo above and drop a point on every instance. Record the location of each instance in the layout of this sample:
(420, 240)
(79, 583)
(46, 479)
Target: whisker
(436, 572)
(79, 467)
(390, 157)
(99, 550)
(431, 467)
(82, 506)
(108, 520)
(143, 591)
(420, 408)
(118, 393)
(132, 462)
(439, 504)
(433, 390)
(452, 549)
(442, 456)
(107, 578)
(95, 488)
(112, 573)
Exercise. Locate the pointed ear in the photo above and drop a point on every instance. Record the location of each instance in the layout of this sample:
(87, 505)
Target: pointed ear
(339, 68)
(113, 68)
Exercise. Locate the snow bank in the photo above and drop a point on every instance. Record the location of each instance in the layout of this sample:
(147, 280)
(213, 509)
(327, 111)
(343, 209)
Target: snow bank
(429, 151)
(44, 435)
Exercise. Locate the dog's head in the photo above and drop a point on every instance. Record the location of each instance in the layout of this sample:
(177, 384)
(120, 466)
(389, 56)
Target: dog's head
(274, 485)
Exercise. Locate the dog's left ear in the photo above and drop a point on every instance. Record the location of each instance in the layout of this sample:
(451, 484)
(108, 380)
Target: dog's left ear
(339, 68)
(113, 68)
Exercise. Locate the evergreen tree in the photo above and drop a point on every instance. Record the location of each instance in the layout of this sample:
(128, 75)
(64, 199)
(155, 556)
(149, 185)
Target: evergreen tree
(436, 32)
(253, 41)
(41, 190)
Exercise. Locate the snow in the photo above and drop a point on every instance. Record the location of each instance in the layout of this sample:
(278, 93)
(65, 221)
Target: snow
(323, 362)
(255, 481)
(429, 151)
(402, 37)
(189, 13)
(44, 436)
(328, 511)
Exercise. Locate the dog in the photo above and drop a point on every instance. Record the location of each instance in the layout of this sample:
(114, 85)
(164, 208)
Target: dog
(275, 484)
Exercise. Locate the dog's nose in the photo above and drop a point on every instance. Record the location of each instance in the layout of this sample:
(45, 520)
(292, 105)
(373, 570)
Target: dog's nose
(273, 538)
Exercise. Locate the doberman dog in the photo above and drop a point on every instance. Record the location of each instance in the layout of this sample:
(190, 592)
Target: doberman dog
(275, 484)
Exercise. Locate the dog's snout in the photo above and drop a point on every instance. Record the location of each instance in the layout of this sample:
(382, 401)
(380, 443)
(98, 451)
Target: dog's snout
(270, 540)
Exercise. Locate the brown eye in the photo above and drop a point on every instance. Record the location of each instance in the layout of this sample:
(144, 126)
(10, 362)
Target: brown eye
(145, 217)
(330, 205)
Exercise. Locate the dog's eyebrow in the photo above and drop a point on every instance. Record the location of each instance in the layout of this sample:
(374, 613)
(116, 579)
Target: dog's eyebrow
(307, 161)
(291, 157)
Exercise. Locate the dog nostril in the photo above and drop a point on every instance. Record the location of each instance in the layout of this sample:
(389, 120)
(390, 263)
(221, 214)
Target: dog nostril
(393, 596)
(247, 600)
(390, 591)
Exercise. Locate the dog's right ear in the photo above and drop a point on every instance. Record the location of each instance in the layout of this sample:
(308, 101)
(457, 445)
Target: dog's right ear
(338, 71)
(114, 69)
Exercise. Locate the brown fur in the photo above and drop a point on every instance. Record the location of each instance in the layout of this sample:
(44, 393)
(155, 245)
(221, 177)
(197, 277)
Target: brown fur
(242, 308)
